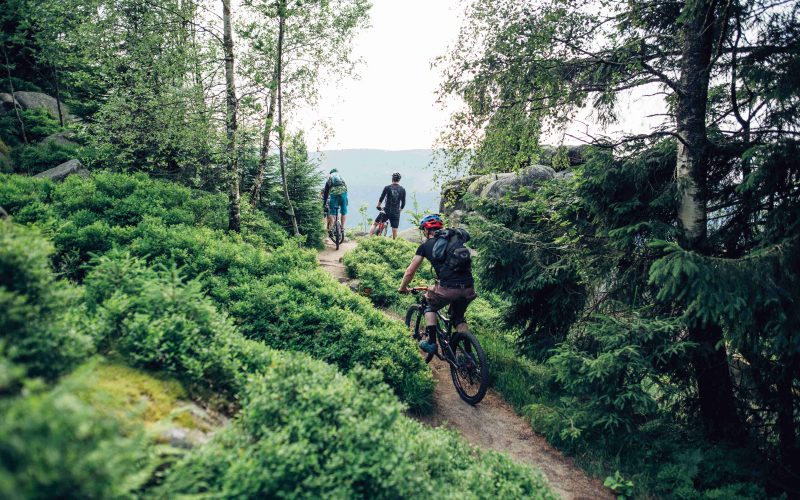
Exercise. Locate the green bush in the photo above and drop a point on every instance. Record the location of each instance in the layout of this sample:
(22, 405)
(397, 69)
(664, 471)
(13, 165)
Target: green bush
(379, 265)
(38, 125)
(307, 310)
(32, 159)
(311, 432)
(37, 312)
(52, 445)
(91, 215)
(157, 320)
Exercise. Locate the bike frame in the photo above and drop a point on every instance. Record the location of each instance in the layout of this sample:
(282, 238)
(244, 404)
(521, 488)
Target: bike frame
(442, 333)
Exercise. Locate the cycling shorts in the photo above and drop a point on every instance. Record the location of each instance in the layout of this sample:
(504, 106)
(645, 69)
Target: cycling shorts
(337, 203)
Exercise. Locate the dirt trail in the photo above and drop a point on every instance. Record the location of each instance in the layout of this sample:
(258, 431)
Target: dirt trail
(492, 424)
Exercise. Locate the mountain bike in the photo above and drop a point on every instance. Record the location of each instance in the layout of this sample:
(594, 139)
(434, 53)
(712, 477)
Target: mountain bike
(468, 366)
(336, 233)
(383, 223)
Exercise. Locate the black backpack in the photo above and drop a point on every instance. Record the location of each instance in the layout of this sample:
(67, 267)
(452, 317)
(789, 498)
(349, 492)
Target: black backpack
(449, 250)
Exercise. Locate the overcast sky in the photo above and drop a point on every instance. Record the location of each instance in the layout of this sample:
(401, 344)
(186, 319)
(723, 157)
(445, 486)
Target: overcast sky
(393, 104)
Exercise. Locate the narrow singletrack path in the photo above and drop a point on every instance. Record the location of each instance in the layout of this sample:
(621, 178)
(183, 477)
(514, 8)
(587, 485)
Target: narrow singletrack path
(492, 424)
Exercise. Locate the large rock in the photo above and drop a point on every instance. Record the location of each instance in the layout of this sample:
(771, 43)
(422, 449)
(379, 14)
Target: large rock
(478, 185)
(511, 183)
(411, 234)
(61, 138)
(7, 103)
(38, 100)
(453, 193)
(63, 171)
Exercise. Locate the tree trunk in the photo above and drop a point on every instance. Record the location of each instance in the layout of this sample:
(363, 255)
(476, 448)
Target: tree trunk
(282, 159)
(14, 99)
(787, 438)
(234, 220)
(710, 359)
(255, 193)
(58, 97)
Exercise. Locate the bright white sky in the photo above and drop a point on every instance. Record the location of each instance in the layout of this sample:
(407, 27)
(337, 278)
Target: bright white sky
(393, 104)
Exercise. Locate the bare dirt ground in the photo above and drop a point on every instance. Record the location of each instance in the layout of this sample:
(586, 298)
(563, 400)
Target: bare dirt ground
(491, 424)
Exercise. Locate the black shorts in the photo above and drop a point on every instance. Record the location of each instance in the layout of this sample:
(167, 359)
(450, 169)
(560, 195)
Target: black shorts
(394, 219)
(382, 217)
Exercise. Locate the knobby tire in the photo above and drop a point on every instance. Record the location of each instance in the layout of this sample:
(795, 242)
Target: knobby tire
(468, 350)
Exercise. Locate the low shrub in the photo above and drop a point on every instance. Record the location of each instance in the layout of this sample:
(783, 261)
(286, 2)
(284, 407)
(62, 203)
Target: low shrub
(311, 432)
(159, 321)
(38, 125)
(38, 313)
(90, 215)
(54, 445)
(32, 159)
(379, 265)
(307, 310)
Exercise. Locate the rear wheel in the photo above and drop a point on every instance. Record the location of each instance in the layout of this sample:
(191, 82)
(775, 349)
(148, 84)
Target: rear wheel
(471, 371)
(338, 233)
(415, 321)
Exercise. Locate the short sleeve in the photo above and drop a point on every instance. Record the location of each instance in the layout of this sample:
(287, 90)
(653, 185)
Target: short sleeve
(421, 250)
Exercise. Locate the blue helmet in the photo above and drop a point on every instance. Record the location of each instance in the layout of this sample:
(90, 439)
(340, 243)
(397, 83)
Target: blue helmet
(432, 221)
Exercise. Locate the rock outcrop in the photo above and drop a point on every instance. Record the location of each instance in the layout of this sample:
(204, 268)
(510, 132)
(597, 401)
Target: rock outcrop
(63, 171)
(38, 100)
(7, 103)
(455, 199)
(64, 138)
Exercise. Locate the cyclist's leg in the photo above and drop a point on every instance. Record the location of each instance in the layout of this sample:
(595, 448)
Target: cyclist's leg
(436, 299)
(343, 202)
(458, 308)
(333, 210)
(394, 221)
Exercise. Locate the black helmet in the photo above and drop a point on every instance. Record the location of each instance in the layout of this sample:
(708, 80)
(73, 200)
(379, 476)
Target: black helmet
(395, 176)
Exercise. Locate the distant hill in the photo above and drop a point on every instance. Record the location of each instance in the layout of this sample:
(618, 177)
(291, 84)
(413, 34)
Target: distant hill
(367, 171)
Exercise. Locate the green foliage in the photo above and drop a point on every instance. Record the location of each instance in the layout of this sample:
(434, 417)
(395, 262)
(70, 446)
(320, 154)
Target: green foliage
(38, 312)
(303, 180)
(38, 125)
(157, 218)
(613, 366)
(159, 321)
(53, 444)
(270, 293)
(620, 485)
(308, 311)
(34, 158)
(311, 432)
(379, 265)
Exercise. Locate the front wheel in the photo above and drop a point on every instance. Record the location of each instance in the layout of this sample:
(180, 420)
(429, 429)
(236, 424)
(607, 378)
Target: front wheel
(415, 321)
(470, 371)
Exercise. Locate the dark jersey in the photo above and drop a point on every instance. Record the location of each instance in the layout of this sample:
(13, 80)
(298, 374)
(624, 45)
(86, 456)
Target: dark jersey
(395, 196)
(446, 276)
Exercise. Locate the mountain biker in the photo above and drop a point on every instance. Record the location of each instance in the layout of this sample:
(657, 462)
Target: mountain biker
(453, 287)
(334, 197)
(395, 196)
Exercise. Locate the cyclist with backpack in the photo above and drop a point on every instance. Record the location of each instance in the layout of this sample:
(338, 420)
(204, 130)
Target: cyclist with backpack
(334, 197)
(395, 196)
(451, 260)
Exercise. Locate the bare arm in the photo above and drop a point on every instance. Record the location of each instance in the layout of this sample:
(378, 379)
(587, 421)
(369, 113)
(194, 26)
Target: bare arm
(410, 272)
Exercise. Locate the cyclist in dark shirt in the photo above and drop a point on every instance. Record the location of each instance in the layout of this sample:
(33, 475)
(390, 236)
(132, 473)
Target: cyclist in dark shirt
(453, 288)
(395, 196)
